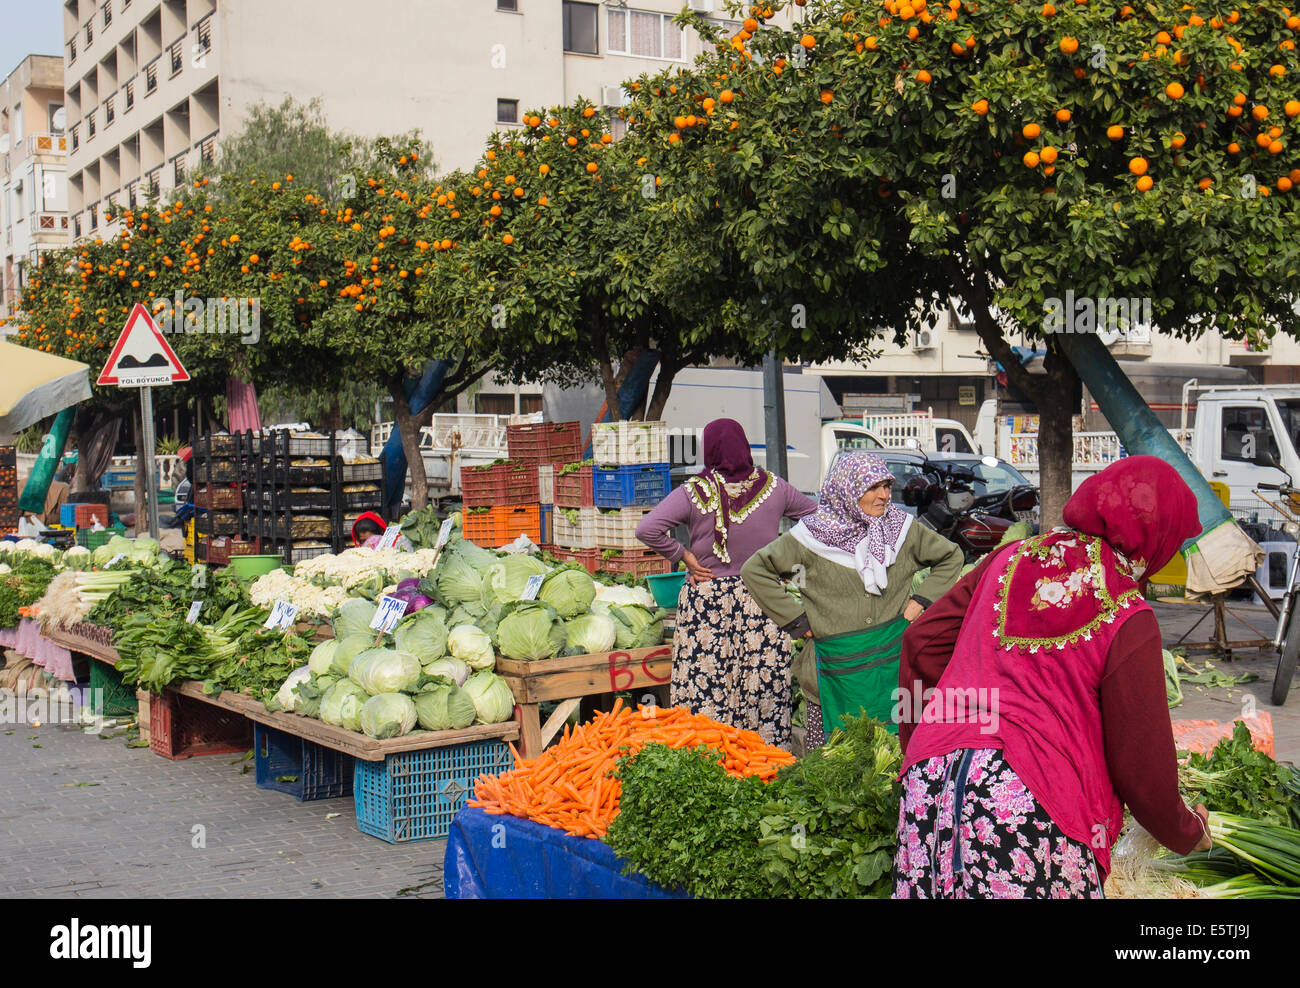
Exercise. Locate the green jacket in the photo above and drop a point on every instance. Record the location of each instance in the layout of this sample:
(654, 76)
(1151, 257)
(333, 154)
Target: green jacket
(834, 600)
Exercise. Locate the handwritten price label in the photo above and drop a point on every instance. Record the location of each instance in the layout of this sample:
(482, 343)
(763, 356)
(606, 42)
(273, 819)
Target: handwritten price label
(116, 559)
(532, 586)
(625, 672)
(282, 615)
(389, 613)
(391, 534)
(444, 533)
(193, 614)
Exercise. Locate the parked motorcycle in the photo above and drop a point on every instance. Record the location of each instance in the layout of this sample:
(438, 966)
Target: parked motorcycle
(945, 498)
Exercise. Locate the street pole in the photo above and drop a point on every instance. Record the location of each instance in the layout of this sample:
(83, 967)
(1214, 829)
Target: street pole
(774, 415)
(144, 460)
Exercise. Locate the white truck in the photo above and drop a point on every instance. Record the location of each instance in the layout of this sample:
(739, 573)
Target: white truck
(452, 442)
(1235, 433)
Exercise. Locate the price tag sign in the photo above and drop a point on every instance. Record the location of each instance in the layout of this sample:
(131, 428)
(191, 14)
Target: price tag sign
(444, 533)
(282, 615)
(391, 534)
(532, 586)
(115, 559)
(193, 614)
(389, 613)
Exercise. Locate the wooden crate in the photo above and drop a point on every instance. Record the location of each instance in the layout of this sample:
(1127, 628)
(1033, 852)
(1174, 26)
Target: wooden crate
(569, 679)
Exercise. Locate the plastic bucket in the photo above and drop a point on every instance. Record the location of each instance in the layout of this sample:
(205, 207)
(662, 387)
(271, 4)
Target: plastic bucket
(666, 586)
(248, 567)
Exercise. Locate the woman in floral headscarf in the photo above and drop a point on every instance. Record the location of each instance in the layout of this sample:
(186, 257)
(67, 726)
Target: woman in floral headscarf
(1047, 711)
(729, 661)
(851, 567)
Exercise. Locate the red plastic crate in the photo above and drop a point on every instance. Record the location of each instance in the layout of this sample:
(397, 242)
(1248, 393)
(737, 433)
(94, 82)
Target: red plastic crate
(588, 558)
(88, 514)
(479, 527)
(521, 485)
(638, 563)
(574, 489)
(538, 443)
(221, 548)
(482, 487)
(218, 497)
(182, 727)
(509, 522)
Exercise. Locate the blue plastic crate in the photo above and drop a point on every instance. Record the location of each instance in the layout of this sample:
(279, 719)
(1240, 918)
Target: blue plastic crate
(320, 772)
(68, 515)
(548, 531)
(634, 485)
(415, 794)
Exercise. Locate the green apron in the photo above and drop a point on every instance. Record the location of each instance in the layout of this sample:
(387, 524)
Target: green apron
(857, 672)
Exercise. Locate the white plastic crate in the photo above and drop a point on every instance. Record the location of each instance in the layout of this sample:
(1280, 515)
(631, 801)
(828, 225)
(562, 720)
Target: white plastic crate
(616, 528)
(619, 443)
(574, 535)
(546, 484)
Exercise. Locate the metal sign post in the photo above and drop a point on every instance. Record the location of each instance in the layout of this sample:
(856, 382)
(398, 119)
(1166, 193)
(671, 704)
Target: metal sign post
(144, 460)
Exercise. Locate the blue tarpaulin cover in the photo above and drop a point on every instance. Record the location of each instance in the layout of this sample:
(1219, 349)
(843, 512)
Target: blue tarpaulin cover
(495, 856)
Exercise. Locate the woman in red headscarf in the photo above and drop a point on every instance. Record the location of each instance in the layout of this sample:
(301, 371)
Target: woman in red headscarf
(730, 662)
(1033, 704)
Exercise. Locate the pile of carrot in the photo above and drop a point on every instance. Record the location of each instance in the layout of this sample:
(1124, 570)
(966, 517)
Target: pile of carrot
(569, 785)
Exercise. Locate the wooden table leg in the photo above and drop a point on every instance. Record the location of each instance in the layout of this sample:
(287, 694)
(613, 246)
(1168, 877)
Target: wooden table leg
(530, 730)
(555, 723)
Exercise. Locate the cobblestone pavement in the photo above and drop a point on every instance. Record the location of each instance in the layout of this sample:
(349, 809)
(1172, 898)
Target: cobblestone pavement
(85, 816)
(88, 817)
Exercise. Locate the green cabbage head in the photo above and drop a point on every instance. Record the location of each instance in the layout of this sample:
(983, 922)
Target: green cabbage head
(531, 630)
(471, 645)
(385, 670)
(388, 715)
(493, 701)
(446, 708)
(341, 705)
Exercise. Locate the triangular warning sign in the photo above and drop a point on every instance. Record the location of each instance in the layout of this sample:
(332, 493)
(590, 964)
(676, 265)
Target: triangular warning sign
(141, 357)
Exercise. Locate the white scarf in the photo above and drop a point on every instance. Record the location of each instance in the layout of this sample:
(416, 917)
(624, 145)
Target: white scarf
(874, 574)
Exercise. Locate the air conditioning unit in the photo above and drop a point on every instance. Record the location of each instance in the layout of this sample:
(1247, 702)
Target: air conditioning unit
(701, 6)
(923, 339)
(613, 96)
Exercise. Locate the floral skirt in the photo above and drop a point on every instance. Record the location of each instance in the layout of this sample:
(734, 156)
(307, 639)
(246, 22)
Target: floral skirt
(730, 661)
(1002, 845)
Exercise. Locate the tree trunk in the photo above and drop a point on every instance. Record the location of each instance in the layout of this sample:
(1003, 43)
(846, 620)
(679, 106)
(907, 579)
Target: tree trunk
(1054, 398)
(409, 430)
(663, 387)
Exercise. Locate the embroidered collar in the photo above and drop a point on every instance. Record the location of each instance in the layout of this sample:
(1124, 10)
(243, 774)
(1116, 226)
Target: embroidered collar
(706, 498)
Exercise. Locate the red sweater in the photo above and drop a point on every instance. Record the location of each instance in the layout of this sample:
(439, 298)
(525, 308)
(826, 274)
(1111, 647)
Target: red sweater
(1139, 741)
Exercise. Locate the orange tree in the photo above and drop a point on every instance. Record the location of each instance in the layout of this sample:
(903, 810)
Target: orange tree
(881, 157)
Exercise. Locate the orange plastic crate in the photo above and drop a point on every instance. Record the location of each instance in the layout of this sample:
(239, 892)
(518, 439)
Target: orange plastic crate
(512, 521)
(479, 527)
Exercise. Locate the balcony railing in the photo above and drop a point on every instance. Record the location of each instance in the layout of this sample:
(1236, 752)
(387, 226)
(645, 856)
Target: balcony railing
(76, 141)
(90, 124)
(72, 51)
(178, 170)
(108, 13)
(202, 38)
(176, 52)
(128, 94)
(151, 76)
(90, 32)
(208, 148)
(47, 144)
(109, 113)
(53, 222)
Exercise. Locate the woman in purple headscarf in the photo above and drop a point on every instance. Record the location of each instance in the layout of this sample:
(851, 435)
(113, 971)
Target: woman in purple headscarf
(843, 577)
(729, 661)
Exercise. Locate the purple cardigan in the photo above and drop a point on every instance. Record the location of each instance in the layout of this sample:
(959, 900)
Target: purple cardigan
(743, 540)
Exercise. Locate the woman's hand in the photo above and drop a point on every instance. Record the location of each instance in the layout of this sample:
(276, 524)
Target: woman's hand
(695, 573)
(912, 611)
(1205, 843)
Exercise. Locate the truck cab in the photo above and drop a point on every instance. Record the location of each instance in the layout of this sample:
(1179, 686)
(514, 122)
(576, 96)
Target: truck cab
(1240, 433)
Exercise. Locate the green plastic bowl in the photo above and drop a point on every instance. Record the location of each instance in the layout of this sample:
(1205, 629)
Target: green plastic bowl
(666, 586)
(250, 567)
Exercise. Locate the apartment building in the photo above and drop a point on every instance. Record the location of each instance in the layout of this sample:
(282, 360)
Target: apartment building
(152, 85)
(33, 186)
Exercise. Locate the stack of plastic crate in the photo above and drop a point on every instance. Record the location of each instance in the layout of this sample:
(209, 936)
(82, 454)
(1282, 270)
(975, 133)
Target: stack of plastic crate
(8, 489)
(630, 476)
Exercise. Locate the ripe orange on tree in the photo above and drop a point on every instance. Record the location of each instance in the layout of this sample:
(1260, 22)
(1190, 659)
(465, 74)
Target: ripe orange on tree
(1030, 159)
(1062, 115)
(980, 106)
(808, 41)
(1069, 45)
(1292, 108)
(1174, 90)
(1178, 140)
(1284, 184)
(1048, 154)
(1205, 183)
(1260, 112)
(1144, 183)
(1138, 166)
(923, 76)
(1030, 131)
(1115, 132)
(827, 96)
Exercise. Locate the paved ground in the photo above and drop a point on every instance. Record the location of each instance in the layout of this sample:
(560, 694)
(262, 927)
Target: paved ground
(84, 816)
(88, 817)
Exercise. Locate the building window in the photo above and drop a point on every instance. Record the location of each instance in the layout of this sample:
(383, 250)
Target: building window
(94, 217)
(72, 51)
(177, 57)
(108, 111)
(108, 13)
(203, 33)
(645, 34)
(510, 6)
(90, 32)
(151, 77)
(76, 141)
(208, 149)
(580, 28)
(508, 111)
(90, 124)
(178, 170)
(76, 225)
(129, 91)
